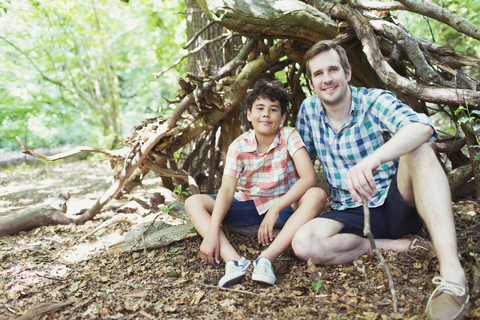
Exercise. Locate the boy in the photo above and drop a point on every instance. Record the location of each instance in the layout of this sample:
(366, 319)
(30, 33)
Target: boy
(268, 179)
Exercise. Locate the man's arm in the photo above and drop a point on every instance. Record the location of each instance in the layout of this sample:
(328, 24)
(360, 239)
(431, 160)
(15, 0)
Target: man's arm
(360, 180)
(210, 247)
(307, 180)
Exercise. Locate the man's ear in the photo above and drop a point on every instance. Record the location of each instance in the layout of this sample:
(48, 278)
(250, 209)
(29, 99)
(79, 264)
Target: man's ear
(249, 116)
(348, 74)
(310, 84)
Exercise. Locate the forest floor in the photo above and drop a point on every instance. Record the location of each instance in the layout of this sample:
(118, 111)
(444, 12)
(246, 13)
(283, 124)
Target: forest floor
(58, 267)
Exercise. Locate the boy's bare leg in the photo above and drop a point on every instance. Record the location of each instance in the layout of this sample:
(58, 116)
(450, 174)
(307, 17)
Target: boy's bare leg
(198, 208)
(319, 239)
(310, 205)
(422, 181)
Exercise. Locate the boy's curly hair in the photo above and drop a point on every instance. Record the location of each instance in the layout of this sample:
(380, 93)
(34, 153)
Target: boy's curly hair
(272, 90)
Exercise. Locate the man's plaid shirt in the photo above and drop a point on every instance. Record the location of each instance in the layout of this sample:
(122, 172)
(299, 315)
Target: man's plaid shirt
(263, 178)
(376, 115)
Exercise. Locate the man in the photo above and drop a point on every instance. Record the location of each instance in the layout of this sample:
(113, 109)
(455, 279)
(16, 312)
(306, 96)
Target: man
(371, 145)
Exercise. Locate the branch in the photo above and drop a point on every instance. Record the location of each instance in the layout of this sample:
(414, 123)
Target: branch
(33, 63)
(448, 17)
(62, 155)
(387, 74)
(198, 34)
(197, 49)
(408, 42)
(377, 5)
(367, 232)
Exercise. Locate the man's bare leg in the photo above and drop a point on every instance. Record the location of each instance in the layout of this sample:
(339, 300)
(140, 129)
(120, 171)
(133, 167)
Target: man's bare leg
(319, 239)
(310, 205)
(422, 181)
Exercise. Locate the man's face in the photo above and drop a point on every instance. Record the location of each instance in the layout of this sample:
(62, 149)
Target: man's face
(266, 116)
(329, 80)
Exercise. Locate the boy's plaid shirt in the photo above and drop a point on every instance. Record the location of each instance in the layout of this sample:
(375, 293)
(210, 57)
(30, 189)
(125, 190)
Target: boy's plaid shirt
(376, 115)
(263, 178)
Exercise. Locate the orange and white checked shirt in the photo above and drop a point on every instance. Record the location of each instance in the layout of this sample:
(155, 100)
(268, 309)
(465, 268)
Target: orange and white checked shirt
(263, 178)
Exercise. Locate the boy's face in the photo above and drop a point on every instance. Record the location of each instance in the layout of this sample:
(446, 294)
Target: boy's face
(266, 116)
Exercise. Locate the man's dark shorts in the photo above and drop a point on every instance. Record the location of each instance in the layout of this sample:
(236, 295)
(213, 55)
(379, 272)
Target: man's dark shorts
(393, 220)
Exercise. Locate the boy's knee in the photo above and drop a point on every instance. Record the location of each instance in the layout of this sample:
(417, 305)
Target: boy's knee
(316, 197)
(191, 203)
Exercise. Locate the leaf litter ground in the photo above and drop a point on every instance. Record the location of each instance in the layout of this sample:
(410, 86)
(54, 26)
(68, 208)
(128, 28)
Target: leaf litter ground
(58, 264)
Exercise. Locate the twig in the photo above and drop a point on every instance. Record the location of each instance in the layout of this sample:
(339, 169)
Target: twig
(46, 308)
(62, 155)
(356, 306)
(106, 224)
(313, 270)
(197, 49)
(257, 294)
(9, 308)
(367, 231)
(229, 289)
(60, 279)
(198, 34)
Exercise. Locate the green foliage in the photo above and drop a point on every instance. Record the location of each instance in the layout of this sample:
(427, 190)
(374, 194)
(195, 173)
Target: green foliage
(317, 285)
(182, 195)
(470, 115)
(81, 72)
(167, 209)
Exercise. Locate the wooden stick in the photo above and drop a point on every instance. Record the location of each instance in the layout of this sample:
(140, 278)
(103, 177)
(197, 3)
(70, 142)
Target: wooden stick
(368, 232)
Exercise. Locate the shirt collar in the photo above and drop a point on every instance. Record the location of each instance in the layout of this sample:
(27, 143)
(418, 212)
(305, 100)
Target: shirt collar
(251, 141)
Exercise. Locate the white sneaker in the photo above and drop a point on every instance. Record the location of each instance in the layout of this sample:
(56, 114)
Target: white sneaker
(263, 271)
(234, 272)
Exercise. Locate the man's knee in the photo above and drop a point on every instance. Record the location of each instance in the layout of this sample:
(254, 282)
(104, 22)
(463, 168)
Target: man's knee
(301, 244)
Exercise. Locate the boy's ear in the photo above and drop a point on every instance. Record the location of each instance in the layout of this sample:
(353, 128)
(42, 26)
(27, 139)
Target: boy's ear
(249, 116)
(283, 118)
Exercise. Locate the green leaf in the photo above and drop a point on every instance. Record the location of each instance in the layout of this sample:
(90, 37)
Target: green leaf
(317, 285)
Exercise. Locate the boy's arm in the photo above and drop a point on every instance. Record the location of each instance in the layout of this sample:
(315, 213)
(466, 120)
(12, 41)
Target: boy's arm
(210, 247)
(308, 179)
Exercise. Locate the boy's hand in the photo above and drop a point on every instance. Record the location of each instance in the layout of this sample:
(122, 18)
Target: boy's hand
(210, 249)
(265, 232)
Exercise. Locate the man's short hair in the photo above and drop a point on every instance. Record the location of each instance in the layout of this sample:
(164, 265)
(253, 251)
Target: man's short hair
(272, 90)
(323, 46)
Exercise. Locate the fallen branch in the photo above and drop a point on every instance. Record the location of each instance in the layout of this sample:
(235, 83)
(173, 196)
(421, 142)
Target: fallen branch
(118, 219)
(62, 155)
(46, 308)
(368, 232)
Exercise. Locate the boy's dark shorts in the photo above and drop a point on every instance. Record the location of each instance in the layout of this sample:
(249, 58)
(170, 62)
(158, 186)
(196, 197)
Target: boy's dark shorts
(244, 213)
(392, 220)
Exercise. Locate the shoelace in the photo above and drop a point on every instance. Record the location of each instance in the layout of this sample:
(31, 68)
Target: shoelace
(453, 289)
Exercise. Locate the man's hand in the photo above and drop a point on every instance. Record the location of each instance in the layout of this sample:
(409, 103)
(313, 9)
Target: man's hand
(210, 249)
(360, 180)
(265, 232)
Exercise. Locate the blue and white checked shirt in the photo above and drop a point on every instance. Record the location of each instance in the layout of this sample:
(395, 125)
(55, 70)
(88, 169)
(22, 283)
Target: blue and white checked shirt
(376, 115)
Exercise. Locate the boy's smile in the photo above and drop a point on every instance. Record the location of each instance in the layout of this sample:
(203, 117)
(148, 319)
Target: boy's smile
(266, 117)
